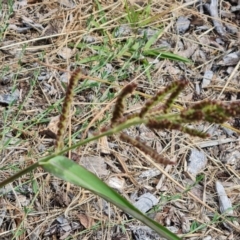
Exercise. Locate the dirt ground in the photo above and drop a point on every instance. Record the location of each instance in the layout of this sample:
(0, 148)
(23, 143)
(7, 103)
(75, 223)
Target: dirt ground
(42, 42)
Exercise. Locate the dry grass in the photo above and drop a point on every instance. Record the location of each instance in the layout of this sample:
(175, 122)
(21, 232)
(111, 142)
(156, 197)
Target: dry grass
(42, 43)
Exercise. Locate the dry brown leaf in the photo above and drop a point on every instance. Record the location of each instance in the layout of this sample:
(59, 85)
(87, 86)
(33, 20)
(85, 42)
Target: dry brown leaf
(67, 3)
(95, 164)
(65, 53)
(52, 128)
(116, 183)
(103, 145)
(86, 221)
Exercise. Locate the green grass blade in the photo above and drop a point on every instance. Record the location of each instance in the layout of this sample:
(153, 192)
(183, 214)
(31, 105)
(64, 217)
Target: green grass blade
(89, 59)
(70, 171)
(166, 55)
(152, 39)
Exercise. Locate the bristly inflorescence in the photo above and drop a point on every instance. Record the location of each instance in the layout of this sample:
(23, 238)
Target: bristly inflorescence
(179, 87)
(62, 125)
(159, 116)
(210, 111)
(136, 142)
(173, 88)
(119, 106)
(171, 125)
(152, 115)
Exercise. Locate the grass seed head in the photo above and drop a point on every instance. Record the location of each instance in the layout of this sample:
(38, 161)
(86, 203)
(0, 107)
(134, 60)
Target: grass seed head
(62, 125)
(119, 106)
(136, 142)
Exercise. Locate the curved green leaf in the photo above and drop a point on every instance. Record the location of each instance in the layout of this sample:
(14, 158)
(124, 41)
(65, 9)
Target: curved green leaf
(158, 52)
(66, 169)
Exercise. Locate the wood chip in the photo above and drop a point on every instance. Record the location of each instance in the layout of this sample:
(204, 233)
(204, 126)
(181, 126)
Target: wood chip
(6, 99)
(116, 183)
(230, 59)
(182, 24)
(103, 145)
(3, 212)
(150, 173)
(225, 204)
(213, 11)
(197, 162)
(52, 128)
(144, 233)
(67, 3)
(146, 202)
(211, 143)
(96, 165)
(64, 223)
(65, 53)
(207, 78)
(86, 221)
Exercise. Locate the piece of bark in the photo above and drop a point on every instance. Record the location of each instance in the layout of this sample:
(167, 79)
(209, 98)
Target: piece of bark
(182, 24)
(123, 30)
(86, 220)
(144, 233)
(225, 204)
(96, 165)
(213, 11)
(150, 173)
(235, 8)
(230, 59)
(231, 157)
(52, 128)
(3, 213)
(211, 143)
(103, 145)
(197, 162)
(6, 99)
(116, 183)
(207, 78)
(146, 202)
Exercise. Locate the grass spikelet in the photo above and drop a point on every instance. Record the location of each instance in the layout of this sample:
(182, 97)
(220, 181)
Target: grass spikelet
(146, 149)
(203, 104)
(216, 113)
(119, 106)
(127, 117)
(219, 112)
(180, 86)
(191, 115)
(165, 124)
(157, 98)
(233, 110)
(76, 75)
(210, 111)
(194, 132)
